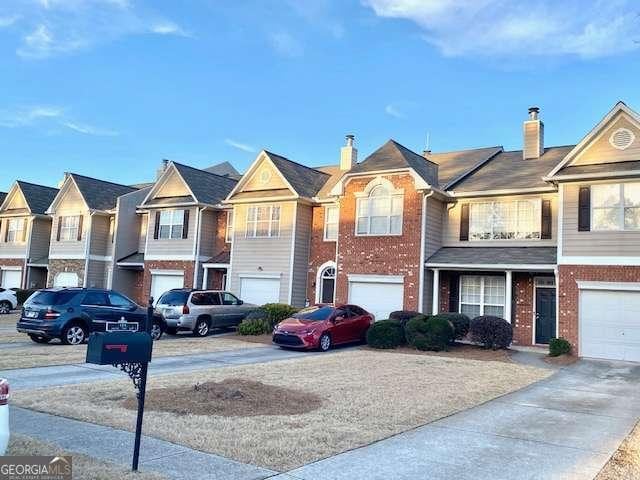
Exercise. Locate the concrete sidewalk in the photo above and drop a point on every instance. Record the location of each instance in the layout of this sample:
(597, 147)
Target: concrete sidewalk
(39, 377)
(105, 443)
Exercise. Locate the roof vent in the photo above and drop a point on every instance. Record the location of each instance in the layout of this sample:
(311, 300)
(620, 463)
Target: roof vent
(622, 138)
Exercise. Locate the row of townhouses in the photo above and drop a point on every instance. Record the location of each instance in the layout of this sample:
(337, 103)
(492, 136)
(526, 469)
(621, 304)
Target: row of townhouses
(547, 237)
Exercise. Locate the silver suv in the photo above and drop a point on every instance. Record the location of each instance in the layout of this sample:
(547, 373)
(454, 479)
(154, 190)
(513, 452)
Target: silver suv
(201, 310)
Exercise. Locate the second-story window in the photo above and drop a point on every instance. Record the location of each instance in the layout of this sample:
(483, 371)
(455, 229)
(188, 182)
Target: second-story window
(615, 206)
(229, 231)
(69, 228)
(331, 217)
(512, 220)
(380, 213)
(15, 230)
(263, 221)
(171, 224)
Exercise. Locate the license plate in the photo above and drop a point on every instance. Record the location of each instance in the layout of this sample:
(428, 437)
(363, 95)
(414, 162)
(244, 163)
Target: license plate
(31, 314)
(122, 327)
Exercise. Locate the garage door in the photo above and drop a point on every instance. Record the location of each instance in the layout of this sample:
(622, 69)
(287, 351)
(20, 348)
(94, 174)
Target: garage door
(161, 283)
(610, 324)
(377, 297)
(66, 279)
(11, 278)
(260, 290)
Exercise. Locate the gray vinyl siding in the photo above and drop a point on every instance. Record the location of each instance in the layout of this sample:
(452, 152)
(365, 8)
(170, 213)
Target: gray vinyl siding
(99, 235)
(64, 248)
(208, 232)
(272, 255)
(40, 238)
(96, 274)
(171, 247)
(427, 298)
(142, 237)
(593, 243)
(13, 249)
(301, 255)
(433, 241)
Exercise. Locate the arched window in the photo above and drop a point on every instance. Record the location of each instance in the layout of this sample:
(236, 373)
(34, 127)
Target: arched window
(380, 210)
(327, 284)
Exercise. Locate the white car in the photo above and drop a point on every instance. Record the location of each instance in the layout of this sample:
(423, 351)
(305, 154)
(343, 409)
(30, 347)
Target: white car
(8, 300)
(4, 415)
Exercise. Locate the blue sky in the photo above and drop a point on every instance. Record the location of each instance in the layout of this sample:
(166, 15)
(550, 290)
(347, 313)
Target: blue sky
(108, 88)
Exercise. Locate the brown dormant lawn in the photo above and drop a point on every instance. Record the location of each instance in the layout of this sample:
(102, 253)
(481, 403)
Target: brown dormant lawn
(625, 463)
(365, 396)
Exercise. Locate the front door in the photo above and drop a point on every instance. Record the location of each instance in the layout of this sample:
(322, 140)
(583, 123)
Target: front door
(545, 314)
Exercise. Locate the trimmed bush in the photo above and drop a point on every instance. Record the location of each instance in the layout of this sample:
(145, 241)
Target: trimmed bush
(492, 332)
(429, 333)
(23, 294)
(254, 326)
(559, 346)
(385, 334)
(276, 312)
(403, 316)
(460, 324)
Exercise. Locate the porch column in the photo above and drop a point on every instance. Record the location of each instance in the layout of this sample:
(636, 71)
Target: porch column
(436, 289)
(204, 277)
(507, 295)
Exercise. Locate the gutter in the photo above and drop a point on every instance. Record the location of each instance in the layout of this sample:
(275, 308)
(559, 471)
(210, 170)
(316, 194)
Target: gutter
(423, 241)
(196, 247)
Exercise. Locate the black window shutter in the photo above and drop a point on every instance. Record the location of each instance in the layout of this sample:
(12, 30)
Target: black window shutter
(464, 223)
(185, 225)
(80, 227)
(59, 227)
(454, 291)
(584, 209)
(156, 227)
(545, 227)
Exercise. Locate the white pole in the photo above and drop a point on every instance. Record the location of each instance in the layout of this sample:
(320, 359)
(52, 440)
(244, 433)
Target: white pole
(507, 294)
(436, 289)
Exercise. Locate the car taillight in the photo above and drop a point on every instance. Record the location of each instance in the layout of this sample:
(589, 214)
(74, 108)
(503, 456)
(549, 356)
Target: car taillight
(51, 314)
(4, 391)
(185, 309)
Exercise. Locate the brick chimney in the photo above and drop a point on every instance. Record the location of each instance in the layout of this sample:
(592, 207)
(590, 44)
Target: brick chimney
(533, 132)
(348, 154)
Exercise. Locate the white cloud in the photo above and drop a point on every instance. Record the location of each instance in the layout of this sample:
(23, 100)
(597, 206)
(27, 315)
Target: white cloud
(89, 129)
(7, 21)
(240, 146)
(393, 110)
(515, 28)
(166, 27)
(285, 44)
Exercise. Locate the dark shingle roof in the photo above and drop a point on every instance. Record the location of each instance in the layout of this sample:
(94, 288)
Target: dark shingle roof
(3, 195)
(452, 166)
(38, 197)
(392, 155)
(306, 181)
(495, 256)
(508, 170)
(603, 168)
(133, 258)
(222, 257)
(100, 194)
(224, 169)
(207, 187)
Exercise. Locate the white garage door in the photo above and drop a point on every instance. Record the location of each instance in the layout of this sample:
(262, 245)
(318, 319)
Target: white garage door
(377, 297)
(260, 290)
(11, 278)
(66, 279)
(610, 324)
(161, 283)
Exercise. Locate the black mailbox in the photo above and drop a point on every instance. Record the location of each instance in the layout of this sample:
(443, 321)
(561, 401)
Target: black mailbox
(119, 347)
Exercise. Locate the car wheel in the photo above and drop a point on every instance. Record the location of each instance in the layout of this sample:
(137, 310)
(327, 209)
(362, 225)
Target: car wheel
(171, 331)
(202, 328)
(5, 307)
(324, 343)
(74, 334)
(156, 331)
(39, 339)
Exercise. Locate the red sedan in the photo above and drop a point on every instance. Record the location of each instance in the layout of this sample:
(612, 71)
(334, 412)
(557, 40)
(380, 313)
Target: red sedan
(322, 326)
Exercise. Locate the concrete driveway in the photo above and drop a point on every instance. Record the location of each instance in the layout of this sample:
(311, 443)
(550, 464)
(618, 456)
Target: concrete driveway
(564, 427)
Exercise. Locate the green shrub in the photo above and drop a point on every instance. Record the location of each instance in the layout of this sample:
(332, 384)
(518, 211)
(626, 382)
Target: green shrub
(429, 333)
(385, 334)
(276, 312)
(254, 326)
(23, 294)
(559, 346)
(492, 332)
(460, 323)
(403, 316)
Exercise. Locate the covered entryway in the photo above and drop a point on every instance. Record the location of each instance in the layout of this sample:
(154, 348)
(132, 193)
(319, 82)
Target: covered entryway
(165, 280)
(66, 279)
(609, 321)
(11, 278)
(326, 283)
(260, 290)
(545, 310)
(378, 294)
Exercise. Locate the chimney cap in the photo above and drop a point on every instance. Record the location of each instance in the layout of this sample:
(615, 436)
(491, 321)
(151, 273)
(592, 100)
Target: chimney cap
(533, 112)
(350, 138)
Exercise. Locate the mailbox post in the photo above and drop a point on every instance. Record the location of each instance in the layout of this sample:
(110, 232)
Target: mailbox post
(131, 352)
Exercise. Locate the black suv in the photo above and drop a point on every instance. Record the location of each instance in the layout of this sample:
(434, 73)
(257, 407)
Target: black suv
(71, 314)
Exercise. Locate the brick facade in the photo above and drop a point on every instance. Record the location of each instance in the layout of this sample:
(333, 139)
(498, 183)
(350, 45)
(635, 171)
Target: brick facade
(187, 267)
(569, 294)
(381, 255)
(137, 295)
(62, 265)
(320, 252)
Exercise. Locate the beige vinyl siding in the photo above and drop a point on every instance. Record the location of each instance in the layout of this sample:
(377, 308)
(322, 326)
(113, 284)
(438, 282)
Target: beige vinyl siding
(209, 230)
(96, 274)
(142, 234)
(171, 247)
(255, 182)
(593, 243)
(100, 239)
(601, 151)
(40, 238)
(301, 255)
(272, 255)
(71, 204)
(451, 223)
(13, 249)
(173, 186)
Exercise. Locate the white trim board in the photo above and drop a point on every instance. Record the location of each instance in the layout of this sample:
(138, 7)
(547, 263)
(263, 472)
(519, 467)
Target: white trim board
(13, 257)
(181, 258)
(491, 266)
(13, 268)
(612, 286)
(364, 278)
(260, 275)
(166, 272)
(216, 265)
(598, 260)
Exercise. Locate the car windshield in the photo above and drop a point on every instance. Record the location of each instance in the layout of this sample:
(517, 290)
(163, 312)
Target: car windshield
(49, 297)
(315, 313)
(174, 298)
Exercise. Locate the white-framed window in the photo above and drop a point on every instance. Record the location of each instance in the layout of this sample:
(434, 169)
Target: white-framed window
(512, 220)
(263, 221)
(331, 219)
(171, 224)
(380, 213)
(615, 206)
(228, 235)
(69, 228)
(482, 295)
(15, 230)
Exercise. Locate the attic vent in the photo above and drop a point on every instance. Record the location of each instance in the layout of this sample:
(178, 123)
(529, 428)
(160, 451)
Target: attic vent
(622, 138)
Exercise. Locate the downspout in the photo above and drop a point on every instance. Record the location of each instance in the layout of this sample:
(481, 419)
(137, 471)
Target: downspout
(196, 248)
(423, 241)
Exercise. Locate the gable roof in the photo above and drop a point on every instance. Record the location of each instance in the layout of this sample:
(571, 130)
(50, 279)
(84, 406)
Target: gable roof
(494, 256)
(99, 194)
(224, 169)
(306, 181)
(454, 166)
(3, 195)
(392, 156)
(38, 197)
(207, 187)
